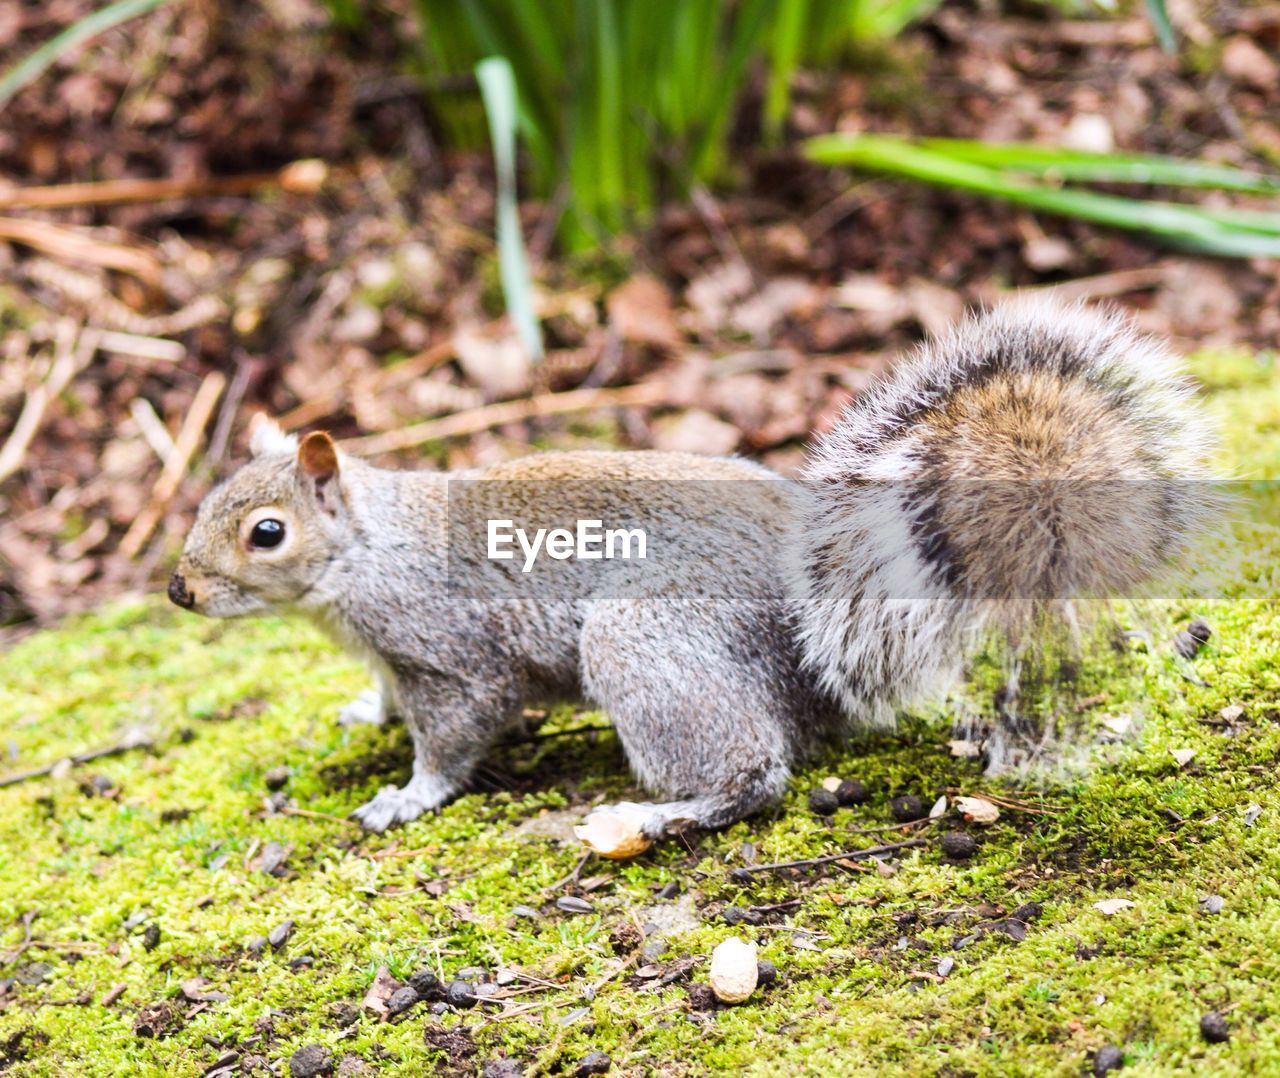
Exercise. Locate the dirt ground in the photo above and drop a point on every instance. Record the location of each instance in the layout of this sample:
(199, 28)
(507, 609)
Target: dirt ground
(362, 295)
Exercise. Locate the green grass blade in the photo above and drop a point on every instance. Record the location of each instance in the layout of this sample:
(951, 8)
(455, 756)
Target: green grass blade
(498, 89)
(1079, 165)
(784, 55)
(27, 71)
(1159, 16)
(1186, 226)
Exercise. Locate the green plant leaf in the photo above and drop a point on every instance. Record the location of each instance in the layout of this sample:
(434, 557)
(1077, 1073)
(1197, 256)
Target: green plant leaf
(1235, 233)
(498, 89)
(1067, 165)
(27, 71)
(1159, 16)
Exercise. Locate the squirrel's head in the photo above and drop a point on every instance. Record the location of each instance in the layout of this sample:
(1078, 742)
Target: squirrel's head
(264, 538)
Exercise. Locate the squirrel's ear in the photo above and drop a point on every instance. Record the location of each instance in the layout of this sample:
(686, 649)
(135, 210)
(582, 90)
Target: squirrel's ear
(266, 437)
(318, 465)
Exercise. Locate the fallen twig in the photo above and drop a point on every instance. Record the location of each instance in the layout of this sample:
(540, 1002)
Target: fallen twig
(175, 467)
(892, 826)
(135, 737)
(571, 878)
(114, 993)
(311, 814)
(78, 245)
(1011, 803)
(72, 354)
(849, 855)
(300, 177)
(494, 415)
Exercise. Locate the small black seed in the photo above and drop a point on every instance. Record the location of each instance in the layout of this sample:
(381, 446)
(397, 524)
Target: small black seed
(303, 961)
(1109, 1058)
(670, 890)
(959, 845)
(653, 950)
(256, 945)
(151, 937)
(593, 1063)
(736, 915)
(740, 875)
(426, 984)
(1213, 1028)
(310, 1061)
(276, 778)
(851, 792)
(907, 807)
(573, 904)
(279, 935)
(766, 973)
(460, 994)
(823, 802)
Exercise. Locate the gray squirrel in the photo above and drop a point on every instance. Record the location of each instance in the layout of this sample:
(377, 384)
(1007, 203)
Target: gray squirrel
(957, 496)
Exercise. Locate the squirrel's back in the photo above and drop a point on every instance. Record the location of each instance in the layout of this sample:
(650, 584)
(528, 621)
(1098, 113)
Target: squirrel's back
(1034, 456)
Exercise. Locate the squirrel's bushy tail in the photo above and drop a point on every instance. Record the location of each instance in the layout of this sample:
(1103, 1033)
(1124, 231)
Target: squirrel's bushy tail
(1035, 456)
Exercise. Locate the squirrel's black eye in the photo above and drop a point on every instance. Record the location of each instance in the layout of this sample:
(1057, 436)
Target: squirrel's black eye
(266, 534)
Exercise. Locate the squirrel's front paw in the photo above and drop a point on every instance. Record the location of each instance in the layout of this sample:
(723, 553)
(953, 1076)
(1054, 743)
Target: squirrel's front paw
(367, 708)
(400, 804)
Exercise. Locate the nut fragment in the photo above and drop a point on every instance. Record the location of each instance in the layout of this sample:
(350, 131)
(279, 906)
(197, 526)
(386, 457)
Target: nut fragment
(977, 809)
(734, 970)
(610, 834)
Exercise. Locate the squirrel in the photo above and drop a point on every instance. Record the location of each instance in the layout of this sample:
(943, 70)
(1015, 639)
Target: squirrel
(1033, 456)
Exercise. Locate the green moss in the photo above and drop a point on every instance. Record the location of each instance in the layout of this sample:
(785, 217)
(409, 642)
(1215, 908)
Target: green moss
(178, 846)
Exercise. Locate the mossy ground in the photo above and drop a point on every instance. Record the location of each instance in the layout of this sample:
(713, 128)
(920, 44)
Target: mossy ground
(176, 843)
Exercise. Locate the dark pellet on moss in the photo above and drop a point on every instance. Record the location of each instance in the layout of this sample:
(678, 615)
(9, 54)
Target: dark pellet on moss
(1186, 645)
(1109, 1058)
(276, 778)
(823, 802)
(701, 997)
(959, 845)
(279, 935)
(151, 937)
(1027, 912)
(669, 890)
(593, 1063)
(310, 1060)
(1200, 630)
(766, 973)
(426, 984)
(905, 808)
(1213, 1028)
(344, 1013)
(737, 915)
(851, 792)
(460, 994)
(402, 999)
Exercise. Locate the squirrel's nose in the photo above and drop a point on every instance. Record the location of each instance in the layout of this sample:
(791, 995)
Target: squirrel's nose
(178, 592)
